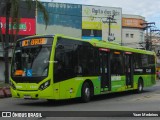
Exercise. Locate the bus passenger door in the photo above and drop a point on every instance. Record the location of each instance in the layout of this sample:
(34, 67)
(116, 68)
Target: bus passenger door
(105, 69)
(129, 69)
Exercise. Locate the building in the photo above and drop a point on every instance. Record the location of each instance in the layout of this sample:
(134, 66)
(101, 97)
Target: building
(133, 31)
(102, 23)
(82, 21)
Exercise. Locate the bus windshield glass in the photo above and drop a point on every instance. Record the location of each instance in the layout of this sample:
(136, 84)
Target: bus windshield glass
(31, 57)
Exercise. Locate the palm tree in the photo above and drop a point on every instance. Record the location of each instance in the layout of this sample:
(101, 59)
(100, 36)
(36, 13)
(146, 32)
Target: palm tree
(12, 11)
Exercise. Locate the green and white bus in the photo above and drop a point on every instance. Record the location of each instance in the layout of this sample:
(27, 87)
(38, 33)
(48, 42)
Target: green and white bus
(55, 67)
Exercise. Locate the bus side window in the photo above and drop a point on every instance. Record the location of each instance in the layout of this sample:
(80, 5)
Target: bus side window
(66, 58)
(86, 59)
(116, 64)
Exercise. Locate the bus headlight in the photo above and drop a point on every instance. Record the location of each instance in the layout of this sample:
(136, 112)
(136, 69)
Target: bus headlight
(44, 85)
(12, 85)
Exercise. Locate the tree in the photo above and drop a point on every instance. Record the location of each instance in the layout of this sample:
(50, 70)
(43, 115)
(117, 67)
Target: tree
(12, 11)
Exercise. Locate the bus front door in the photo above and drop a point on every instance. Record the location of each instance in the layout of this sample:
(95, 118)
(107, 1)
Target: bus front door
(129, 70)
(105, 71)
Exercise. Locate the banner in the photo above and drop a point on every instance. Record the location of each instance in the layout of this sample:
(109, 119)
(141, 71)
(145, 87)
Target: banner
(26, 26)
(132, 22)
(97, 18)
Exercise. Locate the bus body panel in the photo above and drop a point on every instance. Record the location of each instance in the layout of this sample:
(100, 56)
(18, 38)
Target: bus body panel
(72, 88)
(75, 85)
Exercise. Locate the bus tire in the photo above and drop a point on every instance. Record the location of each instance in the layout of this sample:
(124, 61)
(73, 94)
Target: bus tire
(140, 86)
(86, 92)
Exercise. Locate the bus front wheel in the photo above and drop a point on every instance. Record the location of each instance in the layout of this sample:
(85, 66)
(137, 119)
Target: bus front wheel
(86, 92)
(140, 86)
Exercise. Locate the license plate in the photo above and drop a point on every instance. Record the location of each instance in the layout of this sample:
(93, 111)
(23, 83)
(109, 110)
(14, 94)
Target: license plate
(27, 96)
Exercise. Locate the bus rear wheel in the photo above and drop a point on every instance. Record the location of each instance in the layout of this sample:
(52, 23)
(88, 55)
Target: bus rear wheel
(86, 92)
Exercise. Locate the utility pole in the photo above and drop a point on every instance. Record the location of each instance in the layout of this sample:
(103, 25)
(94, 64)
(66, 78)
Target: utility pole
(152, 30)
(110, 20)
(148, 41)
(6, 47)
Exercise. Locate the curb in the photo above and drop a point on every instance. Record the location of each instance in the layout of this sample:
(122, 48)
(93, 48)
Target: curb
(5, 92)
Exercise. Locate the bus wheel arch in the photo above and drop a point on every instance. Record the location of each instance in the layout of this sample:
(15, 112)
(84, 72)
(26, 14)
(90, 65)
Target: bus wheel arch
(87, 91)
(140, 85)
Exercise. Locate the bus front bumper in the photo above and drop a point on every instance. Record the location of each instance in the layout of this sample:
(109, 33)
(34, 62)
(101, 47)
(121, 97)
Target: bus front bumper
(36, 94)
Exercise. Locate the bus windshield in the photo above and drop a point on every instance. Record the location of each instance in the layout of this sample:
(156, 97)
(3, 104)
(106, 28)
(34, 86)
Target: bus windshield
(31, 57)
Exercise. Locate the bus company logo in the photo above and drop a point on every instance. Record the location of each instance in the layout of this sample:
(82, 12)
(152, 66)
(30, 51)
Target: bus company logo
(6, 114)
(115, 78)
(138, 70)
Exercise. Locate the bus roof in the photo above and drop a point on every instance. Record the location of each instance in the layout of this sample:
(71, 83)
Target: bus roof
(116, 46)
(34, 36)
(98, 43)
(111, 45)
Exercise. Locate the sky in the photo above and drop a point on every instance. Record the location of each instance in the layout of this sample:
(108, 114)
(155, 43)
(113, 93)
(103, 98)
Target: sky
(150, 9)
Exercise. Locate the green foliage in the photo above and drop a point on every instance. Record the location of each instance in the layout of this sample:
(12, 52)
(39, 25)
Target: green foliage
(42, 9)
(14, 5)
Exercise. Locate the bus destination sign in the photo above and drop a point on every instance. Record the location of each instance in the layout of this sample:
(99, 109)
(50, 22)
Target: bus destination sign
(33, 42)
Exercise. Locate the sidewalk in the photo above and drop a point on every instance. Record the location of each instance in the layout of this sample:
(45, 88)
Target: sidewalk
(4, 90)
(157, 83)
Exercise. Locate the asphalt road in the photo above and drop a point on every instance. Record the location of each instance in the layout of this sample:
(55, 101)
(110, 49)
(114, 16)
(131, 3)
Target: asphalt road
(149, 100)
